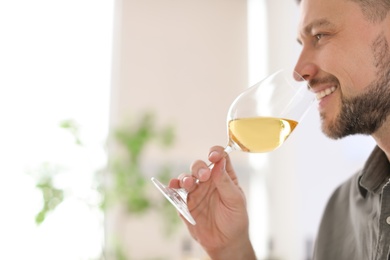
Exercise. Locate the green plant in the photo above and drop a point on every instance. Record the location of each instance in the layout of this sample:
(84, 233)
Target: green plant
(129, 185)
(123, 181)
(52, 196)
(46, 174)
(129, 182)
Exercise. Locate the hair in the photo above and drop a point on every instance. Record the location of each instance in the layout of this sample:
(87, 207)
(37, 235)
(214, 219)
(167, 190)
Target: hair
(373, 10)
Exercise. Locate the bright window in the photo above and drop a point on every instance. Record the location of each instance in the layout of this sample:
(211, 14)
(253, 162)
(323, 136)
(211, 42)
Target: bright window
(55, 63)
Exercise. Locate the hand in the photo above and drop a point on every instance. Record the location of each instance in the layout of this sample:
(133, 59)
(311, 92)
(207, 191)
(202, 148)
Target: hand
(218, 206)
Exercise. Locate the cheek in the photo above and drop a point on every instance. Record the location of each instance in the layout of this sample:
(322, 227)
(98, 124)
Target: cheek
(354, 82)
(353, 69)
(357, 69)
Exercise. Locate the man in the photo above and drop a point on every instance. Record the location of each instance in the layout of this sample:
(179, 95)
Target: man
(346, 59)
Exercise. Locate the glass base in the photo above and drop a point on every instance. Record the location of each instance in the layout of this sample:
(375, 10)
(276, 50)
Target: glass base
(177, 197)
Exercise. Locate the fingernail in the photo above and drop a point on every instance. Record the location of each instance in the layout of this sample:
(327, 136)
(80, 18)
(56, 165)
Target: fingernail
(185, 179)
(213, 153)
(201, 172)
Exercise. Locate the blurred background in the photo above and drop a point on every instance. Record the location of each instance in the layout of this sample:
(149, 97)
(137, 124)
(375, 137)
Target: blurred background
(97, 96)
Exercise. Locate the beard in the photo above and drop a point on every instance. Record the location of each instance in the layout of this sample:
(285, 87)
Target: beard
(365, 113)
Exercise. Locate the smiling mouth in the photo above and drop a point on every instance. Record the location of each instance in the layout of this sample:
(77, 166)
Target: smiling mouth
(325, 92)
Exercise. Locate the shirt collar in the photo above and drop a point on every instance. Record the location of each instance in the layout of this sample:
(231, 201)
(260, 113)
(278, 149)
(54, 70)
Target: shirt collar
(375, 173)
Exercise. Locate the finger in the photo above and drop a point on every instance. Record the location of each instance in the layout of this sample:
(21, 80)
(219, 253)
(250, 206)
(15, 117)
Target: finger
(216, 154)
(200, 171)
(174, 184)
(186, 181)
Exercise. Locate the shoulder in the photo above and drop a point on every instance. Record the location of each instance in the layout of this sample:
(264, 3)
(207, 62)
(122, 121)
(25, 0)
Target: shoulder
(338, 207)
(335, 227)
(342, 194)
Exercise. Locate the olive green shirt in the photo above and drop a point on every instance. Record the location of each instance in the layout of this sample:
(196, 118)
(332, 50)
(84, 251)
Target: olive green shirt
(356, 221)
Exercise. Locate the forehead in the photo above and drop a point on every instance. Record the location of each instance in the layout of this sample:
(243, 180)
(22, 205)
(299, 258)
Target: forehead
(334, 11)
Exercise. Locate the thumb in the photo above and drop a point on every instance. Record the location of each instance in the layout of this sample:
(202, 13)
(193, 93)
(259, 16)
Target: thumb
(226, 187)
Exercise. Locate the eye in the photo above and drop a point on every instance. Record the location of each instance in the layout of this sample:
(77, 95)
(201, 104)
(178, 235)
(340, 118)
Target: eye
(318, 36)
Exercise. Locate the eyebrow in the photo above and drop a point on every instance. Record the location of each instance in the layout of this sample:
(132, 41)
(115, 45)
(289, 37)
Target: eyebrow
(316, 23)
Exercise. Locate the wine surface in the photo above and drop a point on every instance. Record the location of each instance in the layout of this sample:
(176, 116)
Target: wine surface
(260, 134)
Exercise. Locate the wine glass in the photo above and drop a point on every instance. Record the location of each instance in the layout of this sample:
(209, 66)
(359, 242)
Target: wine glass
(259, 120)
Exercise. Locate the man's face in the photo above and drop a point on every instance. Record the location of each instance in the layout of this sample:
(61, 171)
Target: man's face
(346, 59)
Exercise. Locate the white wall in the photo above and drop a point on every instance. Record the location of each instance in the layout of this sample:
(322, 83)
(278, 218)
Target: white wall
(185, 59)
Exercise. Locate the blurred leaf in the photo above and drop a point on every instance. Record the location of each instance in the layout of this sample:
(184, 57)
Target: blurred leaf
(52, 197)
(73, 128)
(165, 173)
(119, 252)
(130, 184)
(167, 136)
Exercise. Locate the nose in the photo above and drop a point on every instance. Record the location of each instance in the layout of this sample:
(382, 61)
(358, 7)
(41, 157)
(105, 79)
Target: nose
(305, 66)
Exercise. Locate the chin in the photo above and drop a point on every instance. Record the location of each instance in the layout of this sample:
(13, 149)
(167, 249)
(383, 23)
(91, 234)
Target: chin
(329, 133)
(330, 129)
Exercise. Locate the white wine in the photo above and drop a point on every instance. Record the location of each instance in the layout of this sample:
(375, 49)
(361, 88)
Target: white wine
(260, 134)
